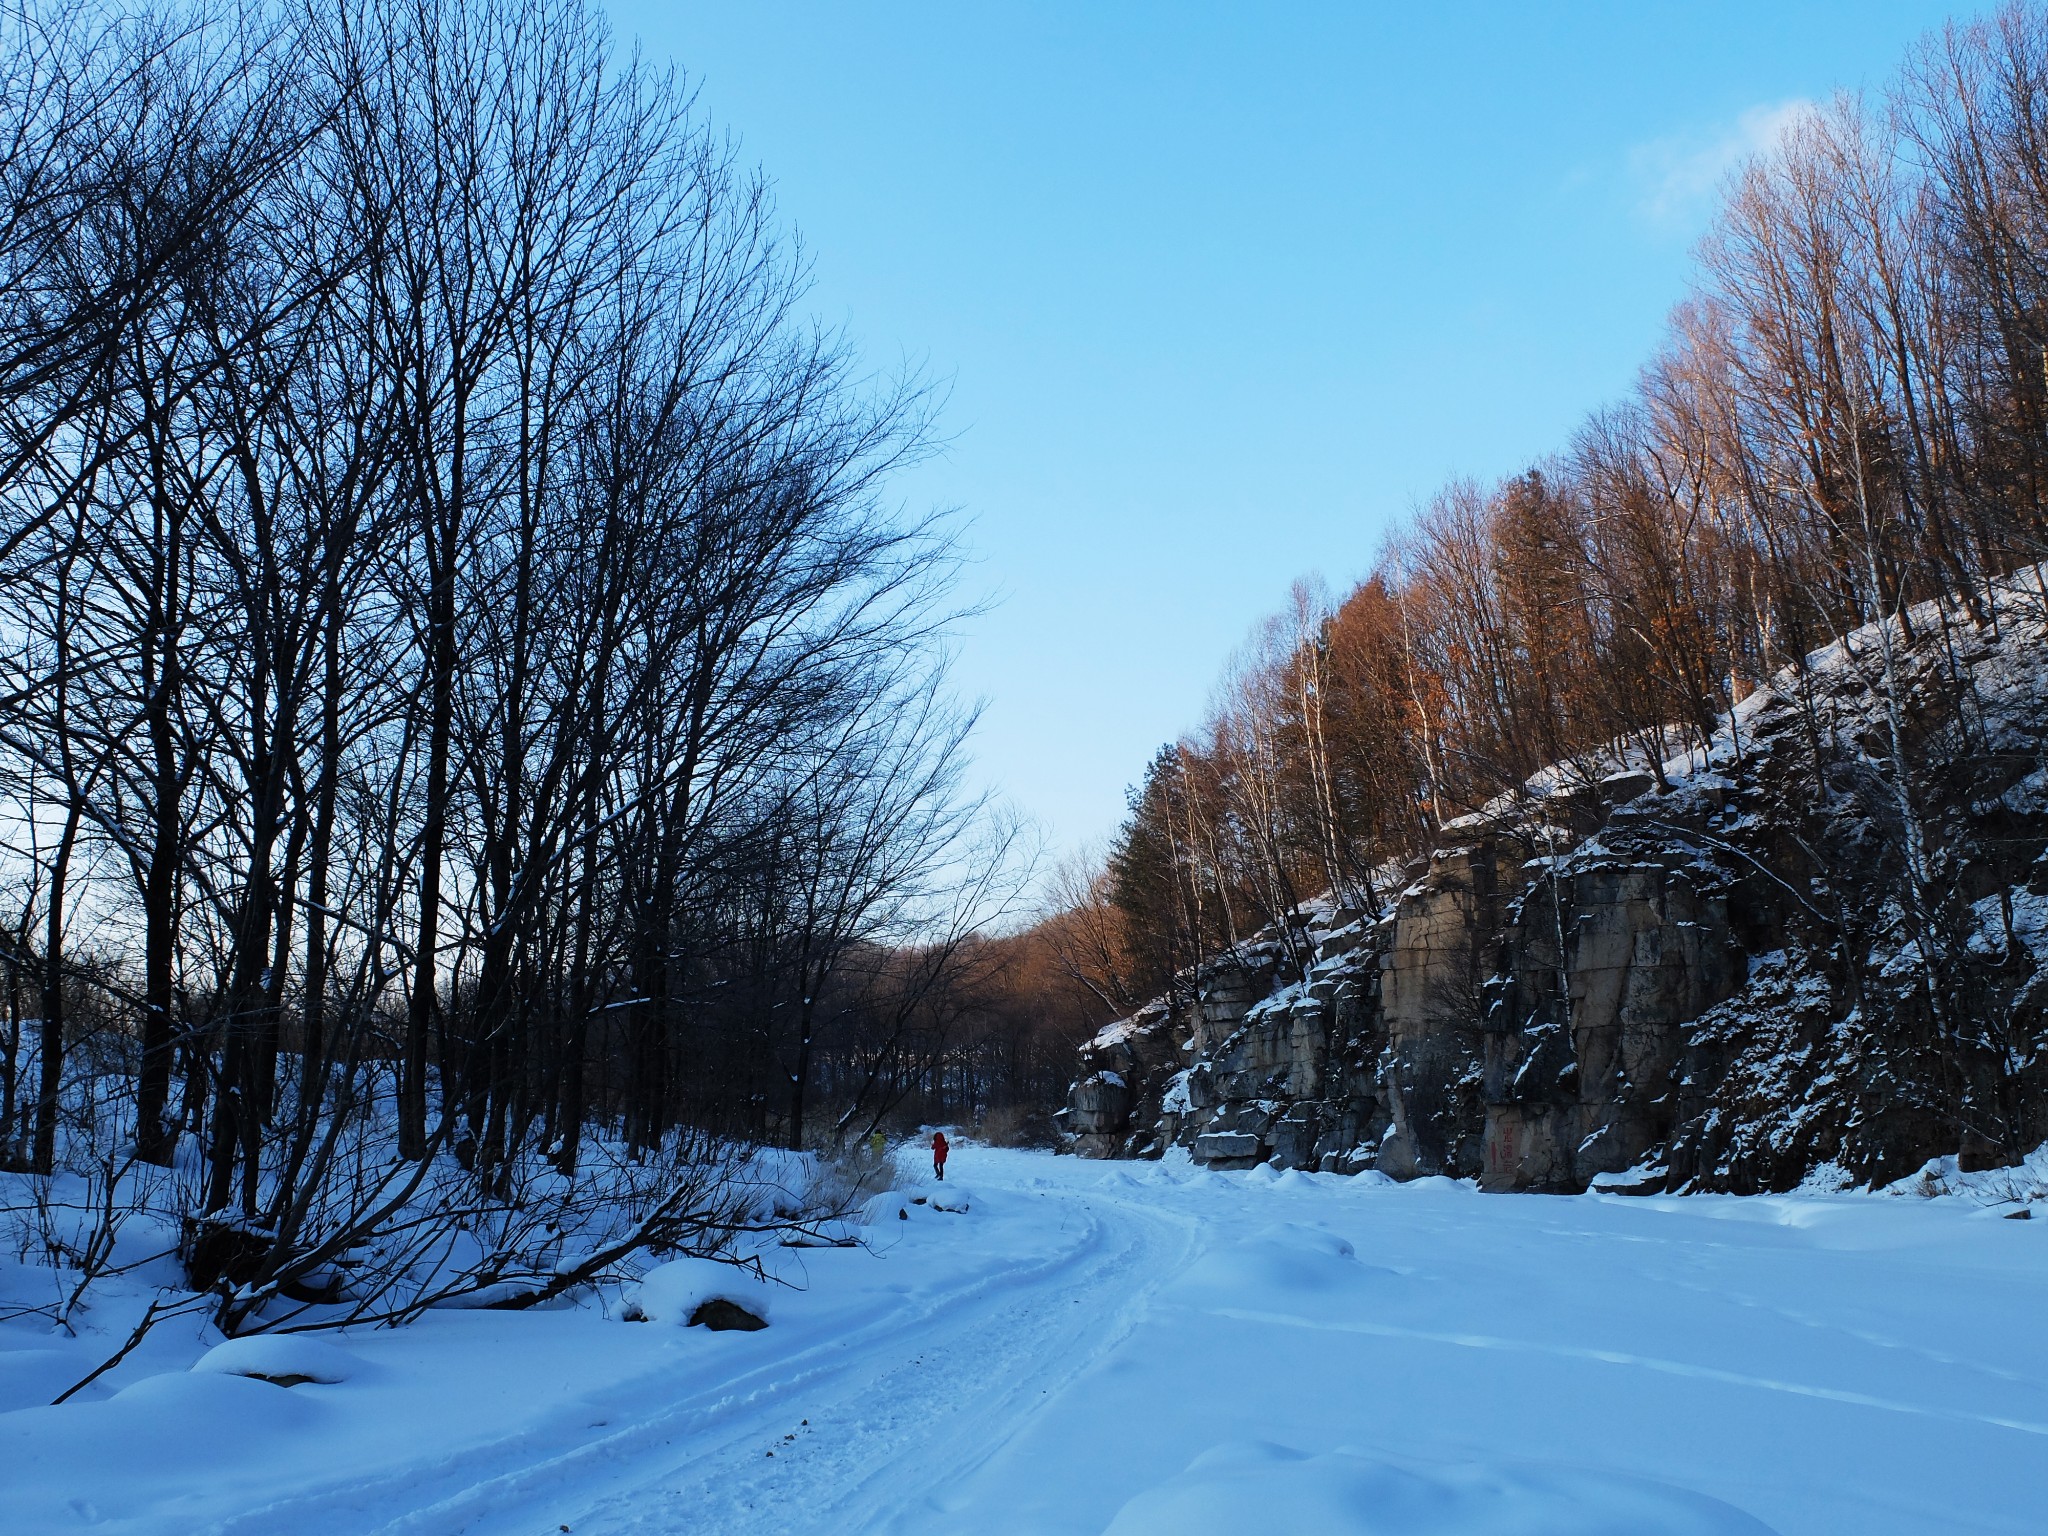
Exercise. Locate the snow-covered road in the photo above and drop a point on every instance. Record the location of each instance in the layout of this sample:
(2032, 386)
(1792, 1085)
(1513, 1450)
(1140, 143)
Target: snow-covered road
(1096, 1348)
(893, 1417)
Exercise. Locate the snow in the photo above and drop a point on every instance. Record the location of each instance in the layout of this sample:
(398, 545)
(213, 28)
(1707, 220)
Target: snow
(279, 1357)
(889, 1205)
(1615, 766)
(2013, 1189)
(1261, 1487)
(672, 1292)
(1286, 1259)
(1140, 1347)
(1115, 1034)
(1175, 1100)
(2029, 924)
(1276, 1002)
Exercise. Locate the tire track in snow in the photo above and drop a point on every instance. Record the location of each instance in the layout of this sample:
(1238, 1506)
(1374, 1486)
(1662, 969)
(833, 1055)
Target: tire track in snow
(884, 1445)
(939, 1385)
(452, 1492)
(1638, 1362)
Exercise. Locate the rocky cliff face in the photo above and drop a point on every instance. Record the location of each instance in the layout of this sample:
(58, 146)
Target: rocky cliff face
(1818, 948)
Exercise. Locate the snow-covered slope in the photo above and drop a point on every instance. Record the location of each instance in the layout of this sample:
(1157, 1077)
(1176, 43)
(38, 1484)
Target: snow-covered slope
(1148, 1347)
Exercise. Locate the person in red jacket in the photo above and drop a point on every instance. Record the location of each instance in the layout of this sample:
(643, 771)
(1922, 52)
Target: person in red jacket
(939, 1155)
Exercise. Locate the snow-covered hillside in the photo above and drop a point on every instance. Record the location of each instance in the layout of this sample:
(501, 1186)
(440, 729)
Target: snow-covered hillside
(1066, 1347)
(1813, 947)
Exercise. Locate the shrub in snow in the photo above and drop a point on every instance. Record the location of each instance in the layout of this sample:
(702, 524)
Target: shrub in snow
(284, 1359)
(2025, 1182)
(703, 1292)
(844, 1180)
(1017, 1126)
(216, 1251)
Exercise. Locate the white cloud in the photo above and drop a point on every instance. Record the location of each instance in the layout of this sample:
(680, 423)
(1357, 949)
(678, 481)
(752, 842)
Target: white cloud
(1677, 177)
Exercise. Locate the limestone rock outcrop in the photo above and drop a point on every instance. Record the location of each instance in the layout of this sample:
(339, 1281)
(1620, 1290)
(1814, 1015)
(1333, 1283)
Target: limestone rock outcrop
(1779, 957)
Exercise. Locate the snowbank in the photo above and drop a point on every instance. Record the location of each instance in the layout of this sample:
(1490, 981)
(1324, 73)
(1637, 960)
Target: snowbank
(889, 1205)
(282, 1359)
(2009, 1190)
(137, 1455)
(1237, 1489)
(1281, 1262)
(902, 1204)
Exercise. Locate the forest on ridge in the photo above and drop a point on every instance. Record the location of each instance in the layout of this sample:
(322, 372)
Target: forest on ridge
(1849, 417)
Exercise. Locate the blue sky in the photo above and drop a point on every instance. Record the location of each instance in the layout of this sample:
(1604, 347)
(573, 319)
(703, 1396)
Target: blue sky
(1221, 291)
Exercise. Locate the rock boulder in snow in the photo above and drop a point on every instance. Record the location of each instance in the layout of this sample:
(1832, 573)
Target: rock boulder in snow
(698, 1292)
